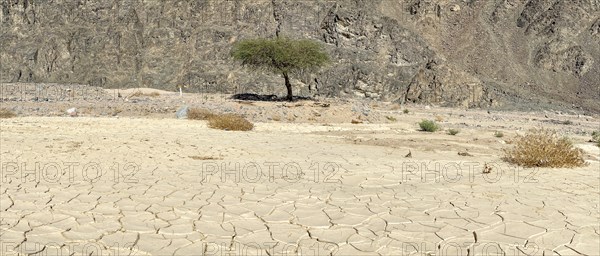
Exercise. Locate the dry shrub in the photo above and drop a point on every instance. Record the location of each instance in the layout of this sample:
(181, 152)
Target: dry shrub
(7, 113)
(544, 148)
(152, 94)
(199, 114)
(205, 158)
(596, 137)
(140, 94)
(439, 118)
(229, 122)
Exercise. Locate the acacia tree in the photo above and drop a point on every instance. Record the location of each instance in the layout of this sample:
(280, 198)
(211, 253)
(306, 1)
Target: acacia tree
(281, 56)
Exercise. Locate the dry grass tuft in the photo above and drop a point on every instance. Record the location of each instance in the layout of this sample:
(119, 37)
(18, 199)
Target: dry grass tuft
(199, 114)
(229, 122)
(544, 148)
(7, 113)
(205, 158)
(141, 94)
(250, 103)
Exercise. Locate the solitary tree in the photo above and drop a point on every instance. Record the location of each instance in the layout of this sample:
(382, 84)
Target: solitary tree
(281, 56)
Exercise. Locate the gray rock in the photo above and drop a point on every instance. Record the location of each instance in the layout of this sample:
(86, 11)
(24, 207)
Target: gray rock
(380, 49)
(182, 112)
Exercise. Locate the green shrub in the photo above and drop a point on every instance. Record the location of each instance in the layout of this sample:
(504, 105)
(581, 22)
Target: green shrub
(498, 134)
(453, 131)
(429, 126)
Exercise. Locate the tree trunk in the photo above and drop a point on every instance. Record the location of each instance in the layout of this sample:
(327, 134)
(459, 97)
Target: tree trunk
(290, 97)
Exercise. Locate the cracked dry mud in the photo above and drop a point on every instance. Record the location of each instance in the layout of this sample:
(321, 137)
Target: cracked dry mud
(108, 186)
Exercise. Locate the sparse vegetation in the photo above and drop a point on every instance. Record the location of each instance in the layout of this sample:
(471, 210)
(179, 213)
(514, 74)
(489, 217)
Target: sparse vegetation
(7, 113)
(429, 126)
(391, 118)
(205, 158)
(453, 131)
(229, 122)
(281, 56)
(405, 111)
(567, 122)
(141, 94)
(439, 118)
(116, 111)
(596, 137)
(544, 148)
(199, 114)
(498, 134)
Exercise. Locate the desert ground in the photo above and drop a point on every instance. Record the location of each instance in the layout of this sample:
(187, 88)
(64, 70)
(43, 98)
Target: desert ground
(314, 177)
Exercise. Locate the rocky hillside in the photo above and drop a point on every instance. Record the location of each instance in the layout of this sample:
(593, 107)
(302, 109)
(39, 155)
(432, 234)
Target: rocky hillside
(468, 53)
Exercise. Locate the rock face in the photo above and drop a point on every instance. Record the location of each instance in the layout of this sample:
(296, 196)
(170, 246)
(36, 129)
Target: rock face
(498, 53)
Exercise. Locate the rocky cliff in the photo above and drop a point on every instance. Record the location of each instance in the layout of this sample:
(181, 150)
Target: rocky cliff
(493, 53)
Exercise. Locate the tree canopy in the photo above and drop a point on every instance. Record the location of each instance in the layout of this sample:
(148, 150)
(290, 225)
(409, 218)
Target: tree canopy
(281, 55)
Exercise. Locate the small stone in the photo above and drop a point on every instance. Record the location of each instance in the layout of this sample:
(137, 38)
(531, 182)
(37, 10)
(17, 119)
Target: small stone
(455, 8)
(72, 112)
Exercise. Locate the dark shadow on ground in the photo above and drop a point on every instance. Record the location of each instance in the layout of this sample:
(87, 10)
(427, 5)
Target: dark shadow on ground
(262, 97)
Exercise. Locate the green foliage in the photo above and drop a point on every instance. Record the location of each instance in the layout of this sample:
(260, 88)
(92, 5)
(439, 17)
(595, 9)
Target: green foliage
(429, 126)
(280, 55)
(453, 131)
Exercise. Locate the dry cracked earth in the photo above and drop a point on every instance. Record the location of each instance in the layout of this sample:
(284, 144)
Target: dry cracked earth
(143, 186)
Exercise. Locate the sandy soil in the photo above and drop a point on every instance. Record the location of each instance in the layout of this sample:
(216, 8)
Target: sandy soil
(310, 184)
